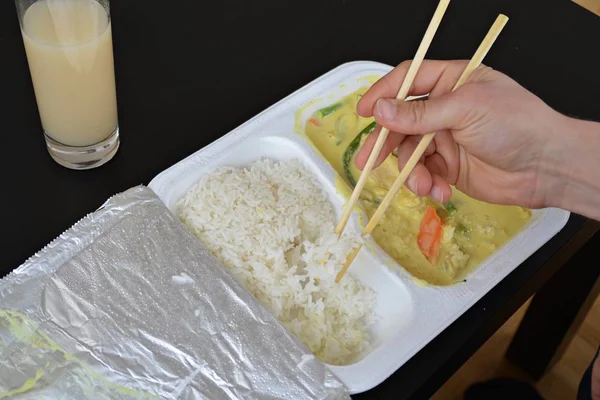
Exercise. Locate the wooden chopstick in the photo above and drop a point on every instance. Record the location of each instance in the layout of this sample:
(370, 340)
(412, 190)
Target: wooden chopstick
(475, 62)
(402, 93)
(347, 264)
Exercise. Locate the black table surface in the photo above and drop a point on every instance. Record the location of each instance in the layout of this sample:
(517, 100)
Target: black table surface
(190, 71)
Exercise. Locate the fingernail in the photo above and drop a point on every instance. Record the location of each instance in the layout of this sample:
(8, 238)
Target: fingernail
(413, 184)
(437, 194)
(386, 109)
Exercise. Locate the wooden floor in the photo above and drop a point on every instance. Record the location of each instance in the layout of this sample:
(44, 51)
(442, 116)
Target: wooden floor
(592, 5)
(560, 383)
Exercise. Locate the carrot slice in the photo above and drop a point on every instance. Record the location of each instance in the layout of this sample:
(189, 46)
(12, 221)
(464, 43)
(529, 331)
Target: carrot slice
(314, 121)
(430, 235)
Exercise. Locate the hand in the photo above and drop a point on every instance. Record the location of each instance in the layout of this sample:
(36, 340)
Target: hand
(495, 140)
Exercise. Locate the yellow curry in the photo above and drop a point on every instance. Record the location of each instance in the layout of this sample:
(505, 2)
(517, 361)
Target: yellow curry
(438, 243)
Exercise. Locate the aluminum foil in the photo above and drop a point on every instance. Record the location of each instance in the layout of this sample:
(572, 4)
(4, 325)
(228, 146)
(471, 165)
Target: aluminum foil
(127, 305)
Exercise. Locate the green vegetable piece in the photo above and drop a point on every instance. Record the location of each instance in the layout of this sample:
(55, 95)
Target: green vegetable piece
(442, 213)
(323, 112)
(450, 207)
(351, 149)
(462, 229)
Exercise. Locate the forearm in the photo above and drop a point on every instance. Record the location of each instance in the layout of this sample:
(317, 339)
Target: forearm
(576, 181)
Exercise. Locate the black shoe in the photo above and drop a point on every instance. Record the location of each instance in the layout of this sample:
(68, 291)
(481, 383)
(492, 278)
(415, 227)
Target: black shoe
(502, 388)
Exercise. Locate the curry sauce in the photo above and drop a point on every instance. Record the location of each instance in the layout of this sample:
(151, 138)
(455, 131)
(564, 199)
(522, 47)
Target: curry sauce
(438, 243)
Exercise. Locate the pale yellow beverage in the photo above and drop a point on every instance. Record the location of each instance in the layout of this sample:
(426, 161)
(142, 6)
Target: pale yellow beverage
(70, 55)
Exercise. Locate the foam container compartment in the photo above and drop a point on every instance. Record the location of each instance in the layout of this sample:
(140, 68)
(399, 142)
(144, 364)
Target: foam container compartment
(410, 314)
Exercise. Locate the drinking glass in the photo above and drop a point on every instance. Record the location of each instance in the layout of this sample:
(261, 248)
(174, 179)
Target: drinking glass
(70, 56)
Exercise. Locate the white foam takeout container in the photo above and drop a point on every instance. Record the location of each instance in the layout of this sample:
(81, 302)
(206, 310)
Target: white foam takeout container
(411, 315)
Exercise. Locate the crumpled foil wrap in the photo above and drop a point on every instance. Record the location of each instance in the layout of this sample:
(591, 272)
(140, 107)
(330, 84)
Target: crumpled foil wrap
(127, 304)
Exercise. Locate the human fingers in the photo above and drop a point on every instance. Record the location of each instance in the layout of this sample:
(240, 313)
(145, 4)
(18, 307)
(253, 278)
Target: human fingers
(420, 180)
(440, 189)
(433, 77)
(446, 112)
(392, 141)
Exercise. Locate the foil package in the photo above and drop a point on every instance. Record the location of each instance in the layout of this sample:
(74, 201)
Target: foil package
(128, 305)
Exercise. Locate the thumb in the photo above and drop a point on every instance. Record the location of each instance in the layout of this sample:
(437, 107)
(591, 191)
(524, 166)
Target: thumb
(419, 117)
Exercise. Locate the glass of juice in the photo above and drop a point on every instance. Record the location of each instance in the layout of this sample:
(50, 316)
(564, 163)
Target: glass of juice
(70, 55)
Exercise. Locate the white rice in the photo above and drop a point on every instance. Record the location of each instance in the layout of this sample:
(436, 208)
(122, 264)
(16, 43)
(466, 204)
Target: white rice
(272, 225)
